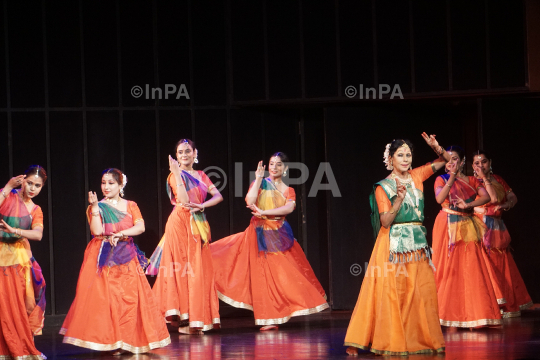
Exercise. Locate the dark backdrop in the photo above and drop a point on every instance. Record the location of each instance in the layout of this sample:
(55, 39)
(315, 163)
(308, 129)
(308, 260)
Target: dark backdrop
(262, 76)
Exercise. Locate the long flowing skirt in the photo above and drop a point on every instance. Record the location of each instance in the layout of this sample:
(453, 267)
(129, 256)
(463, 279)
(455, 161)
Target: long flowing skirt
(510, 290)
(464, 290)
(275, 286)
(19, 322)
(396, 312)
(114, 309)
(185, 282)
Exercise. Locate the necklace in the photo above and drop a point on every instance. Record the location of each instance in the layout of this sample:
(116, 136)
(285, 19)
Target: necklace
(406, 181)
(112, 201)
(276, 183)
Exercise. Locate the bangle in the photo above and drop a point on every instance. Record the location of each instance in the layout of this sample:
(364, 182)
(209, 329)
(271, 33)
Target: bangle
(487, 183)
(202, 210)
(260, 176)
(95, 213)
(450, 186)
(393, 211)
(181, 184)
(455, 173)
(4, 194)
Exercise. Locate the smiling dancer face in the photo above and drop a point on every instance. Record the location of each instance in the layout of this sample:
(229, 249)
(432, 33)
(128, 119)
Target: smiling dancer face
(277, 165)
(186, 153)
(457, 160)
(111, 184)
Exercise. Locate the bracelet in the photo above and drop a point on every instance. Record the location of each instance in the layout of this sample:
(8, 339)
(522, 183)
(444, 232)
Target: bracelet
(487, 183)
(260, 176)
(95, 213)
(455, 173)
(450, 186)
(202, 210)
(181, 184)
(4, 194)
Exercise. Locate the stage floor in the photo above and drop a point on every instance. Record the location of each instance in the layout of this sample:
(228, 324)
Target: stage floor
(318, 336)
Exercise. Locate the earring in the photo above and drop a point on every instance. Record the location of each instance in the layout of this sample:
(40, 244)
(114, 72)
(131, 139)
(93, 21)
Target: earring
(122, 192)
(196, 161)
(391, 166)
(285, 173)
(490, 170)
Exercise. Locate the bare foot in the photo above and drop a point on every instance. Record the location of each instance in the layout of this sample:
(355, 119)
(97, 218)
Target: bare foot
(119, 352)
(269, 327)
(190, 331)
(351, 350)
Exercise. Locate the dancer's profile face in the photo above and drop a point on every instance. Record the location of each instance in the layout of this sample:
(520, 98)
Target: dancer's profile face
(109, 186)
(402, 158)
(480, 161)
(185, 154)
(32, 186)
(276, 167)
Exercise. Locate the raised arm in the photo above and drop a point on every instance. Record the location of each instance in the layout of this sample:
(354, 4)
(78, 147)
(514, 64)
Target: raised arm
(180, 191)
(96, 227)
(443, 158)
(253, 193)
(13, 183)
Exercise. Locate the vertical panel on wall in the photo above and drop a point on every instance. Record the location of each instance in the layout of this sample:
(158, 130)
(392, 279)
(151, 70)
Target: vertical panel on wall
(208, 51)
(468, 30)
(393, 44)
(140, 168)
(63, 53)
(173, 47)
(281, 133)
(315, 210)
(173, 126)
(25, 54)
(319, 40)
(212, 146)
(283, 49)
(30, 148)
(3, 83)
(136, 51)
(104, 146)
(69, 203)
(247, 38)
(100, 53)
(506, 44)
(430, 46)
(4, 150)
(356, 43)
(247, 150)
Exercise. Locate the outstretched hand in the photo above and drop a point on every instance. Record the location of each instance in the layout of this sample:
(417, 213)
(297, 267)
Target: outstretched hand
(460, 203)
(6, 228)
(92, 198)
(430, 140)
(260, 170)
(174, 167)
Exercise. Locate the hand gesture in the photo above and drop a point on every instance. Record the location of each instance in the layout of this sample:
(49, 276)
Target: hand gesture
(401, 189)
(113, 239)
(430, 140)
(255, 210)
(260, 170)
(195, 207)
(452, 168)
(479, 173)
(15, 182)
(460, 203)
(174, 167)
(6, 228)
(92, 199)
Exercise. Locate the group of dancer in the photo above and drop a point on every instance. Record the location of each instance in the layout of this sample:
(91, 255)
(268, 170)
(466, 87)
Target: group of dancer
(468, 279)
(262, 269)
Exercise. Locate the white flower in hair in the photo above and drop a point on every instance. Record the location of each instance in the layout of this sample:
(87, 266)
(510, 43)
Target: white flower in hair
(387, 157)
(124, 182)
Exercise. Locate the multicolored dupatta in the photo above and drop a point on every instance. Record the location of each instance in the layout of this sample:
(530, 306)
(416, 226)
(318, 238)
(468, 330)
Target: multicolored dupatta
(200, 229)
(113, 221)
(462, 225)
(15, 214)
(274, 234)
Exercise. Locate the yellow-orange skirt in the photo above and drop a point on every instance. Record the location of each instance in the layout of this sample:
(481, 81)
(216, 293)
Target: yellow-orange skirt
(396, 312)
(185, 283)
(275, 286)
(114, 309)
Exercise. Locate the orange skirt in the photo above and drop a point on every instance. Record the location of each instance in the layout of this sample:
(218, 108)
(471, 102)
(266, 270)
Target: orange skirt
(185, 282)
(507, 282)
(114, 309)
(275, 286)
(464, 290)
(396, 312)
(16, 336)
